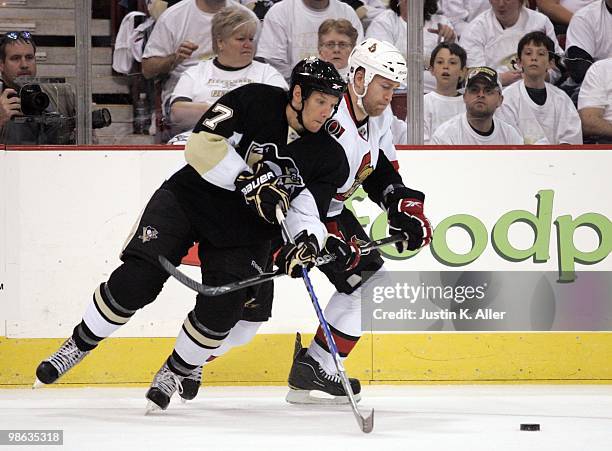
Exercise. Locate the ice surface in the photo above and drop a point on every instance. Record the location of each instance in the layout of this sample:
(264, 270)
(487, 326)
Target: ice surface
(408, 418)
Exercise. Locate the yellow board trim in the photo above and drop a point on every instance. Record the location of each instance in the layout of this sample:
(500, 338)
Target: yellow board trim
(441, 358)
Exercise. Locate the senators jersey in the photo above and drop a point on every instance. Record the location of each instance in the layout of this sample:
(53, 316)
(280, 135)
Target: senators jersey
(244, 126)
(369, 151)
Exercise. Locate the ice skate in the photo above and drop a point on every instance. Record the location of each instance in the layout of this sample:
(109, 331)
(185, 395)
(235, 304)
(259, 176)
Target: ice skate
(191, 385)
(309, 383)
(164, 384)
(51, 369)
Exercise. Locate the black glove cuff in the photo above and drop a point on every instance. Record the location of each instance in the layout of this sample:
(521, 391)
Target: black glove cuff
(394, 193)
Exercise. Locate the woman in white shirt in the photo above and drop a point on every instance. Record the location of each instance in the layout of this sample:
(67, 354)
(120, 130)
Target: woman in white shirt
(233, 32)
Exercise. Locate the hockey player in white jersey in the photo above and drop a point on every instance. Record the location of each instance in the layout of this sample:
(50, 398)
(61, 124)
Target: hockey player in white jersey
(362, 126)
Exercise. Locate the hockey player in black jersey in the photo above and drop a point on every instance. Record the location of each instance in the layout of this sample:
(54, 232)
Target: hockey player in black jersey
(362, 126)
(252, 150)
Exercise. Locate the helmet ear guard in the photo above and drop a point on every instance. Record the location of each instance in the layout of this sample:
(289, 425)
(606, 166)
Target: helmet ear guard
(376, 58)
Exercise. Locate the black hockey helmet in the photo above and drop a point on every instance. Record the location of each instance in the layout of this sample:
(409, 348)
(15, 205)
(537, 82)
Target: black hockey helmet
(314, 74)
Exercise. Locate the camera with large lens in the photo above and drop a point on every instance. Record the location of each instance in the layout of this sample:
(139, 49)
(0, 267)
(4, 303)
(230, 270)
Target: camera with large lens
(49, 113)
(33, 100)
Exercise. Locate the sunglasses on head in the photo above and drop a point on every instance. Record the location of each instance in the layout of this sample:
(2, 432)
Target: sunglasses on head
(16, 35)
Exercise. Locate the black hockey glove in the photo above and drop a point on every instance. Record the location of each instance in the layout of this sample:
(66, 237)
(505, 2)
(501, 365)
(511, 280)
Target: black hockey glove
(405, 215)
(262, 191)
(292, 257)
(343, 256)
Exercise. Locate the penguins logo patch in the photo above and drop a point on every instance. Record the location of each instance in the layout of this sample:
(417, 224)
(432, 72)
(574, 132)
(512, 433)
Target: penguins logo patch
(284, 167)
(148, 233)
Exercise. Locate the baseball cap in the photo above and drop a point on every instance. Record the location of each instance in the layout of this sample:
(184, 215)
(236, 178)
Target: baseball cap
(483, 73)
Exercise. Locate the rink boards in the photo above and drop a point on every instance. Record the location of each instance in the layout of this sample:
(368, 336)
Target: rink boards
(65, 213)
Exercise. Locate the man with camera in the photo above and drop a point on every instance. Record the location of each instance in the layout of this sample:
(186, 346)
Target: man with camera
(35, 110)
(17, 59)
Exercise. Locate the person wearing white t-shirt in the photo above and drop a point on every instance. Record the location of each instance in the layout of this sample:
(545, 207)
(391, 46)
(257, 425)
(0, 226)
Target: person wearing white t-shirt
(391, 26)
(462, 12)
(491, 39)
(290, 30)
(447, 64)
(233, 32)
(477, 126)
(595, 101)
(337, 38)
(540, 111)
(560, 12)
(181, 38)
(589, 38)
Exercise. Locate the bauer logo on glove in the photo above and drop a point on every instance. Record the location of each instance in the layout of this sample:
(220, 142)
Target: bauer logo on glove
(263, 191)
(257, 182)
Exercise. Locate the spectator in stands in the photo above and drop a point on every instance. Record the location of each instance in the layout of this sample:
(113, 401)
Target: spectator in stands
(17, 59)
(478, 126)
(595, 102)
(540, 111)
(391, 26)
(233, 34)
(337, 37)
(181, 38)
(157, 7)
(462, 12)
(290, 30)
(492, 38)
(589, 38)
(447, 64)
(560, 12)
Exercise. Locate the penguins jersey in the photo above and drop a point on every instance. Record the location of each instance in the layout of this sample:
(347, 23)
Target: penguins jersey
(370, 154)
(244, 126)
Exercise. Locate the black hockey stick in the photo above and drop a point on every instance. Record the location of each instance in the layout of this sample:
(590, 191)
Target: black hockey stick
(366, 424)
(209, 290)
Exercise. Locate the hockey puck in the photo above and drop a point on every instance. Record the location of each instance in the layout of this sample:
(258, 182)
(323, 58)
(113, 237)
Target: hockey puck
(530, 427)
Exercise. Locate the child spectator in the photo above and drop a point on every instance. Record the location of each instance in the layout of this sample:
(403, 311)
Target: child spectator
(540, 111)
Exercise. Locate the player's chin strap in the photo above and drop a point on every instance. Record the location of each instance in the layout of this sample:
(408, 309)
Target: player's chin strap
(360, 97)
(365, 424)
(298, 112)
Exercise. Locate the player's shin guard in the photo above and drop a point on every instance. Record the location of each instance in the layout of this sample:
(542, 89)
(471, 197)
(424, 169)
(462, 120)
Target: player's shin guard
(343, 314)
(194, 345)
(242, 333)
(104, 315)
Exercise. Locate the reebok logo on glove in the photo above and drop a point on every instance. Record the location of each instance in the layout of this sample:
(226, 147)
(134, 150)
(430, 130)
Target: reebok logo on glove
(256, 183)
(410, 203)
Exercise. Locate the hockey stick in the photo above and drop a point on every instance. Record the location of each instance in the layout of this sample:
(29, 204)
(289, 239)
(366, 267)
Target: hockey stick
(209, 290)
(365, 424)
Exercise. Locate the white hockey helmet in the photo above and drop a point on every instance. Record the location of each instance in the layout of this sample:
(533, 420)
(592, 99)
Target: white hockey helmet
(377, 58)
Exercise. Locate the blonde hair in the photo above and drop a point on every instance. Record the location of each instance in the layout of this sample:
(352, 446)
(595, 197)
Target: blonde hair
(227, 21)
(340, 26)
